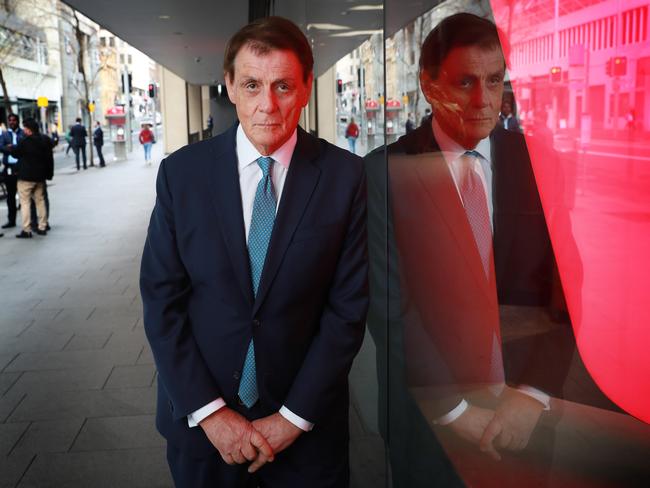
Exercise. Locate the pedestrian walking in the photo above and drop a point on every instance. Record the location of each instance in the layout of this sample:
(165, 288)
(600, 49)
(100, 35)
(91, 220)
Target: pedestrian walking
(35, 166)
(11, 137)
(351, 134)
(98, 141)
(78, 136)
(147, 139)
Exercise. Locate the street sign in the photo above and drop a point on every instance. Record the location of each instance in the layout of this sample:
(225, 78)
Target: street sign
(42, 102)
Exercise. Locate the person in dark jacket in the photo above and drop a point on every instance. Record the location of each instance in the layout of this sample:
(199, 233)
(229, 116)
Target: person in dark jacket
(12, 136)
(35, 165)
(78, 136)
(98, 141)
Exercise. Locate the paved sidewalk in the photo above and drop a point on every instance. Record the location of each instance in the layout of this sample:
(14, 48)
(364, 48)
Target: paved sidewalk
(77, 380)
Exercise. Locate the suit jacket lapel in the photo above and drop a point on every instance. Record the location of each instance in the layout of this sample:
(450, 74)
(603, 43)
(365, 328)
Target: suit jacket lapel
(437, 181)
(226, 197)
(301, 181)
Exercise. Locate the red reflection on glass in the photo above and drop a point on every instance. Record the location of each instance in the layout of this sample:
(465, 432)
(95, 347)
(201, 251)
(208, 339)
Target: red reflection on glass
(580, 72)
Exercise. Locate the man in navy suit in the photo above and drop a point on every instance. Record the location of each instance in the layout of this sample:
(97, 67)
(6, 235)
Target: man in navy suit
(254, 283)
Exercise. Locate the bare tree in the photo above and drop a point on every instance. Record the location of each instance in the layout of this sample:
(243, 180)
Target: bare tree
(11, 38)
(89, 73)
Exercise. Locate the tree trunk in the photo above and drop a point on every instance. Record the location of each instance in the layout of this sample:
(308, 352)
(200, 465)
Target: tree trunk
(82, 69)
(5, 93)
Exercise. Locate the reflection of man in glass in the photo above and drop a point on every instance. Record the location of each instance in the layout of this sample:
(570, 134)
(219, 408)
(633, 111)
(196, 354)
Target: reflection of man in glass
(470, 235)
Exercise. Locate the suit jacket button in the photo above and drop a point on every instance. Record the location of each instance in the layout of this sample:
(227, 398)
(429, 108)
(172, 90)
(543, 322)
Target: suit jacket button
(236, 375)
(257, 323)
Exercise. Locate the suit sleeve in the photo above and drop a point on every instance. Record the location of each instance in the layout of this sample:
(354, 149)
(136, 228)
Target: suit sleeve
(166, 287)
(327, 364)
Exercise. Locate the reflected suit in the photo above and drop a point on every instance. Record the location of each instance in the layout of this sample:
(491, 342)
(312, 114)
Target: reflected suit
(434, 315)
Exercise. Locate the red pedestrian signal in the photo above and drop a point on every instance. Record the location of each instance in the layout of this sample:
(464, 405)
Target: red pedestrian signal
(339, 86)
(556, 74)
(619, 66)
(152, 90)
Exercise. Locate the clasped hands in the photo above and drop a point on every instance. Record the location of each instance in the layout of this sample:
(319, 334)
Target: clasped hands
(508, 427)
(240, 441)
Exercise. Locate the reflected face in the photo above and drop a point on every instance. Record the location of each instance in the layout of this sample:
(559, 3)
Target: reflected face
(466, 96)
(269, 93)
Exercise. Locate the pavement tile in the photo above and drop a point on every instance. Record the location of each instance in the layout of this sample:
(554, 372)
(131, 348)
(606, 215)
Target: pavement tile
(9, 402)
(48, 436)
(132, 468)
(12, 469)
(146, 357)
(85, 342)
(35, 340)
(9, 435)
(130, 432)
(7, 380)
(74, 359)
(92, 377)
(6, 358)
(131, 376)
(87, 403)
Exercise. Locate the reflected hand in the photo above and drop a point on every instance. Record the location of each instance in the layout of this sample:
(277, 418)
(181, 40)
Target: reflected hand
(235, 438)
(278, 431)
(472, 424)
(514, 421)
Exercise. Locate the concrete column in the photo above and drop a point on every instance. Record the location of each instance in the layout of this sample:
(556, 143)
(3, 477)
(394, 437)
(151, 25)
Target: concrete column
(326, 101)
(205, 106)
(173, 106)
(194, 116)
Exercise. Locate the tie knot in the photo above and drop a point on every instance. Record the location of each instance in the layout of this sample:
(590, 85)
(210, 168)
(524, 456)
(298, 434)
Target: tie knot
(265, 164)
(472, 154)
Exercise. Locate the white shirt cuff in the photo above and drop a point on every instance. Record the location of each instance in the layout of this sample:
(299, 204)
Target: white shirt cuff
(538, 395)
(448, 418)
(299, 422)
(197, 416)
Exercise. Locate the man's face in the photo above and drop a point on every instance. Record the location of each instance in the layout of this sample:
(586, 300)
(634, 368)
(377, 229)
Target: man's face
(13, 123)
(466, 96)
(269, 93)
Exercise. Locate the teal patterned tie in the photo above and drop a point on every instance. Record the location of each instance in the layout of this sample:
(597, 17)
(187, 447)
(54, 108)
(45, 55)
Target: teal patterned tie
(259, 236)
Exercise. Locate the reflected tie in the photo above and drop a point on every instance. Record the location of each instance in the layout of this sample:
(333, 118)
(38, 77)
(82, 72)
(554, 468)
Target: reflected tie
(472, 192)
(474, 199)
(259, 236)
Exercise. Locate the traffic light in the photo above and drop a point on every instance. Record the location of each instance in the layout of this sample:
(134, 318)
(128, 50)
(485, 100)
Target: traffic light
(152, 90)
(129, 80)
(339, 86)
(556, 74)
(619, 66)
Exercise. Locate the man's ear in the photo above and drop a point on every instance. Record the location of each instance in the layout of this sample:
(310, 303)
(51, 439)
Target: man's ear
(427, 87)
(230, 87)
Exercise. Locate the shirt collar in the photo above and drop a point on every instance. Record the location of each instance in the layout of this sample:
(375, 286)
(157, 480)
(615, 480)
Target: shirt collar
(451, 150)
(247, 154)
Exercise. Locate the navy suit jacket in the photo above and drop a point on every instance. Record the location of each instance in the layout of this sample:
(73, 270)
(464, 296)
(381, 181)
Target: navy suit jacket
(308, 317)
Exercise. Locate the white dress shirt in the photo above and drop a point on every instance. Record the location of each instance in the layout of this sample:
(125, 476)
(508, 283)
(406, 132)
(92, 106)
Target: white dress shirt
(452, 152)
(250, 175)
